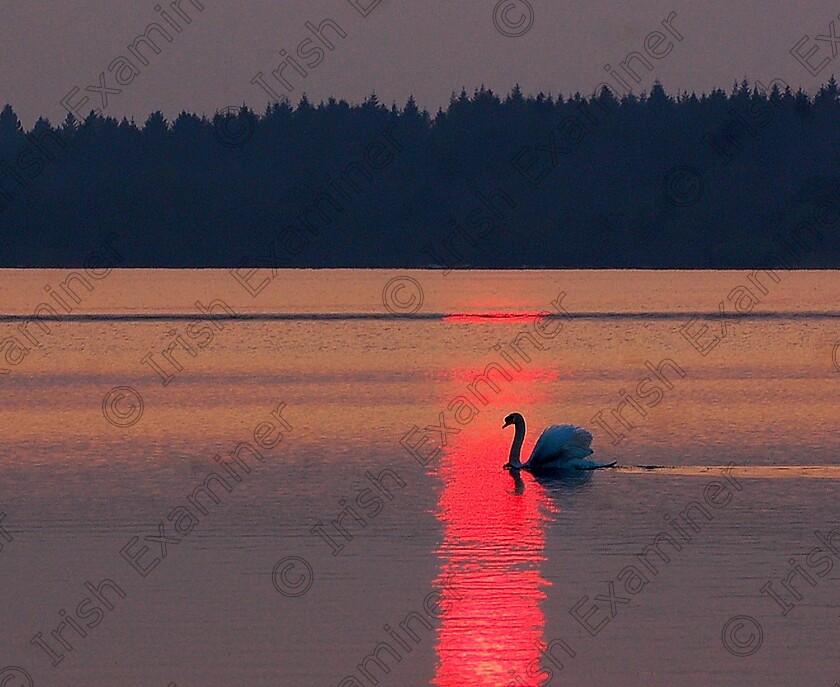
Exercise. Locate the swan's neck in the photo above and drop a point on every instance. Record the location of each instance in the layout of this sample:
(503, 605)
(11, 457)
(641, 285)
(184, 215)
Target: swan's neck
(516, 446)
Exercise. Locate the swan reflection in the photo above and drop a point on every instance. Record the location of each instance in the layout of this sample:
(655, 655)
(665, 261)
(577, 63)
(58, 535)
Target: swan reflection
(553, 482)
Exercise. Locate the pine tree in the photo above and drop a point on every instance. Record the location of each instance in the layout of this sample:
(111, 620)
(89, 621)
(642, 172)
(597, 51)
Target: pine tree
(11, 130)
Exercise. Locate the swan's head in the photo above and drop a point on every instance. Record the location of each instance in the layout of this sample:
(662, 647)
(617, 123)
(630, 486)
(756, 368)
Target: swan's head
(513, 419)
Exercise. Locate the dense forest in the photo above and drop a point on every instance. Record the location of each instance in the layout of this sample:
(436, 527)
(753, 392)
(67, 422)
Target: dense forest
(748, 178)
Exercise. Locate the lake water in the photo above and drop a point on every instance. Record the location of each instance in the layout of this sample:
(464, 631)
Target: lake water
(373, 537)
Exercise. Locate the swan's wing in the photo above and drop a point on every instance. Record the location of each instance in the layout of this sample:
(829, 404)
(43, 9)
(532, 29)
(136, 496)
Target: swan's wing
(559, 442)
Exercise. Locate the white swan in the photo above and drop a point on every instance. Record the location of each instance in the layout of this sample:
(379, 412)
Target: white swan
(560, 447)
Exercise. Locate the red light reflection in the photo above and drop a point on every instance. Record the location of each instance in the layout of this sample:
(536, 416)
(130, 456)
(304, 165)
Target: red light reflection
(501, 317)
(492, 549)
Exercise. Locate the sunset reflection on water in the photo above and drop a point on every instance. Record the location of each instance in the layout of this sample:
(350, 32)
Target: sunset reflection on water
(493, 550)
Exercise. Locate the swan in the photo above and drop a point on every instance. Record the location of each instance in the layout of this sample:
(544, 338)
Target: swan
(560, 447)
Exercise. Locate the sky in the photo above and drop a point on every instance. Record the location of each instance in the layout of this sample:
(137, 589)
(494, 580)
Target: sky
(428, 48)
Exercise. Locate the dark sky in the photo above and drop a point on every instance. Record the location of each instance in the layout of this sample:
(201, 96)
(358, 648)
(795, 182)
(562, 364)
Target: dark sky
(425, 47)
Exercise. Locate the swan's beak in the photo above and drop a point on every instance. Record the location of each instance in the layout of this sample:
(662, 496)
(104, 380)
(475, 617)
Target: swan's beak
(505, 425)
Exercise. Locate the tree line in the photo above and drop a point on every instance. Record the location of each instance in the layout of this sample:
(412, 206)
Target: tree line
(638, 181)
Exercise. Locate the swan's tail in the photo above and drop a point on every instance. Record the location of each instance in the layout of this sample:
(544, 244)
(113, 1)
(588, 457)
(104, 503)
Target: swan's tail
(592, 465)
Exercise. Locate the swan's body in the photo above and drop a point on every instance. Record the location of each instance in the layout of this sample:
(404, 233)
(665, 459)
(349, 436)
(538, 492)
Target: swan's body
(560, 447)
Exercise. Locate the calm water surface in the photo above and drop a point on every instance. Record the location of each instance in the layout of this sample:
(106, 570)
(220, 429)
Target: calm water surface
(449, 571)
